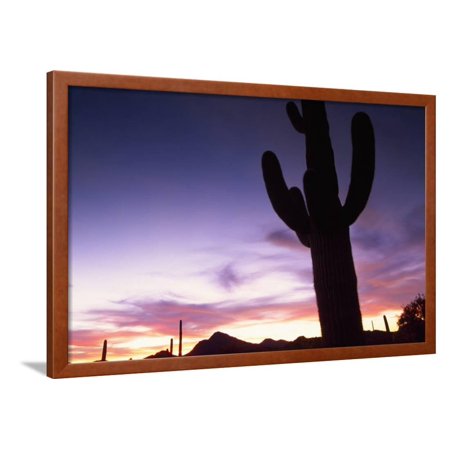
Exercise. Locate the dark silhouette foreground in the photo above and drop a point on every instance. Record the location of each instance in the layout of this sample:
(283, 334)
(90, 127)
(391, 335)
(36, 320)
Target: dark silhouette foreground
(223, 344)
(322, 222)
(411, 329)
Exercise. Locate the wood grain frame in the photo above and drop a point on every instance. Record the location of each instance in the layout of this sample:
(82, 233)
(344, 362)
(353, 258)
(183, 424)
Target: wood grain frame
(58, 84)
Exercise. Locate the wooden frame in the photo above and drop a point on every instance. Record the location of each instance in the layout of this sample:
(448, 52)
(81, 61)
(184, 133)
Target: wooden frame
(58, 84)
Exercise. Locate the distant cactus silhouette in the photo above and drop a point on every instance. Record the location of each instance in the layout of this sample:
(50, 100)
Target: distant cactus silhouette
(171, 346)
(105, 349)
(388, 330)
(180, 341)
(323, 223)
(386, 324)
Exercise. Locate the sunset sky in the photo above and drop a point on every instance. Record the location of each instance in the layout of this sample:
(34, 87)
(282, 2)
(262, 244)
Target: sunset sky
(169, 219)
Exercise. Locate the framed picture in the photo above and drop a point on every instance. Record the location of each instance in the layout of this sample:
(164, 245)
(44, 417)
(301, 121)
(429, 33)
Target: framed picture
(199, 224)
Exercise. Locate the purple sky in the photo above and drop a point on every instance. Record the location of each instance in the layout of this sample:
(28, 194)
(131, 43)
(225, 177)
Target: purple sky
(169, 218)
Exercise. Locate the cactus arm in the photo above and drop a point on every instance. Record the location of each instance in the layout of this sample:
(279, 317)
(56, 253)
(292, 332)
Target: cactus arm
(303, 229)
(363, 167)
(295, 117)
(277, 189)
(288, 204)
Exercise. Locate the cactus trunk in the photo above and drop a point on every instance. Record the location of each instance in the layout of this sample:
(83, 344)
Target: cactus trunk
(335, 284)
(171, 346)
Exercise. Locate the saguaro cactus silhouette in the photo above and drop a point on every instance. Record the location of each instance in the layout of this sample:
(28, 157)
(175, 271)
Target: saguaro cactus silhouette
(323, 222)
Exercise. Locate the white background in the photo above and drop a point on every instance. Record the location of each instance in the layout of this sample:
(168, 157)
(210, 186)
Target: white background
(388, 46)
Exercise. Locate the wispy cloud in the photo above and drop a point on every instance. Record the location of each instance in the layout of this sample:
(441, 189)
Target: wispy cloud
(389, 260)
(388, 252)
(228, 277)
(86, 344)
(285, 238)
(385, 234)
(161, 316)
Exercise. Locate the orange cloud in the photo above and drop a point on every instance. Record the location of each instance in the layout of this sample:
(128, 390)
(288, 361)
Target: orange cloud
(160, 320)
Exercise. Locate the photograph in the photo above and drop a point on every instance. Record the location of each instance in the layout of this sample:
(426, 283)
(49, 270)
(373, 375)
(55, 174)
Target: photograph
(202, 224)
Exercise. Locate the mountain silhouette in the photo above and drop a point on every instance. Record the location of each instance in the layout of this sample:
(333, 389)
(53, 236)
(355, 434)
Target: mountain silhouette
(221, 344)
(161, 354)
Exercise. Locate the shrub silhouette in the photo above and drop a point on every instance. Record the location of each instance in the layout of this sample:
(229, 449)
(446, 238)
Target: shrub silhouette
(411, 324)
(322, 223)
